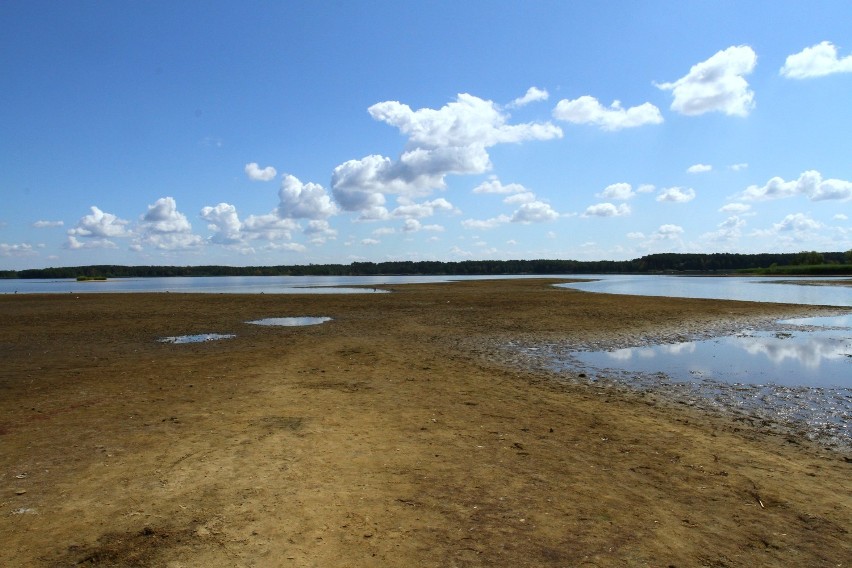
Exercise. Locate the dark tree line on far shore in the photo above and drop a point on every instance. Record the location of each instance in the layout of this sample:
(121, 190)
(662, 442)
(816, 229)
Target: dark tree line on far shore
(809, 262)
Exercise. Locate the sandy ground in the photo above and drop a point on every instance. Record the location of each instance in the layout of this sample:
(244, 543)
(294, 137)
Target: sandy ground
(394, 435)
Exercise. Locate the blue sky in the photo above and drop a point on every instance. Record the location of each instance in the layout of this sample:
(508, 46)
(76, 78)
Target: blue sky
(265, 133)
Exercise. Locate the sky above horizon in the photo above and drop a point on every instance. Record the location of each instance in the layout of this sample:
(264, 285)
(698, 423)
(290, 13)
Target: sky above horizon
(275, 133)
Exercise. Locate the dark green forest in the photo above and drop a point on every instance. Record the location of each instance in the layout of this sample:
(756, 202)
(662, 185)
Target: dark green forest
(809, 262)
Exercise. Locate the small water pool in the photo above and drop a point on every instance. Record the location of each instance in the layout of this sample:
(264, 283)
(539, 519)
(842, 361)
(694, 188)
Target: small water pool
(789, 358)
(291, 321)
(198, 338)
(798, 374)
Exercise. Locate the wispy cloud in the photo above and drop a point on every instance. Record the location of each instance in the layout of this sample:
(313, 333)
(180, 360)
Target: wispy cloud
(48, 224)
(17, 249)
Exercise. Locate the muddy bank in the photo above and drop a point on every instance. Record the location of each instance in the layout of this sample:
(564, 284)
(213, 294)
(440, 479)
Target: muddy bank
(805, 282)
(396, 434)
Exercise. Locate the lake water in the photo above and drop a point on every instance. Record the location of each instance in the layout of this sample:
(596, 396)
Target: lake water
(732, 288)
(795, 356)
(747, 288)
(797, 376)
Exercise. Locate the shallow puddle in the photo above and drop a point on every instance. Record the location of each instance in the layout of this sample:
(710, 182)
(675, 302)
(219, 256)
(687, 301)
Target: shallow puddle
(199, 338)
(291, 322)
(789, 358)
(799, 375)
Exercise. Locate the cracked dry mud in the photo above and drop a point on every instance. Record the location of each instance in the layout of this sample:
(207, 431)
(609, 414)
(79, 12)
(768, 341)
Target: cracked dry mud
(396, 434)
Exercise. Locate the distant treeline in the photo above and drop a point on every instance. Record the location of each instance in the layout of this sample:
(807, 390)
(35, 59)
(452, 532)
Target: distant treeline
(810, 263)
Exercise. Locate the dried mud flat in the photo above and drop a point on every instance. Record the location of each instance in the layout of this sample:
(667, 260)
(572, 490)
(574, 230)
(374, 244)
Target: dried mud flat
(397, 434)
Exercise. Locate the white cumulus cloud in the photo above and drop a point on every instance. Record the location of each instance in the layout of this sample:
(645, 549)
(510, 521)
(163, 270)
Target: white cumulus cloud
(668, 232)
(534, 212)
(810, 184)
(716, 85)
(797, 222)
(303, 200)
(676, 195)
(256, 173)
(99, 224)
(493, 185)
(607, 210)
(269, 227)
(73, 243)
(319, 231)
(451, 140)
(424, 209)
(518, 198)
(411, 226)
(729, 230)
(166, 228)
(699, 168)
(532, 95)
(618, 191)
(816, 61)
(223, 220)
(587, 110)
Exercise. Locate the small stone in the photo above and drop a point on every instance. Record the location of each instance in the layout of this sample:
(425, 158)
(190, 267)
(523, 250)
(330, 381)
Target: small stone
(20, 491)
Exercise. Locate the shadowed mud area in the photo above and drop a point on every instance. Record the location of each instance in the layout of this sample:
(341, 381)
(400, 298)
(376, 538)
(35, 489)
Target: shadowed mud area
(403, 432)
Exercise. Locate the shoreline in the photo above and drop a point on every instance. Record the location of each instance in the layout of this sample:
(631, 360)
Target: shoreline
(396, 434)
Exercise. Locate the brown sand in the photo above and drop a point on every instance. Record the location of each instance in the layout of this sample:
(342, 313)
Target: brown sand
(393, 435)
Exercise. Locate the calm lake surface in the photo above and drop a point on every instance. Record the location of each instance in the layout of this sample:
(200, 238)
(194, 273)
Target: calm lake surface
(747, 288)
(756, 289)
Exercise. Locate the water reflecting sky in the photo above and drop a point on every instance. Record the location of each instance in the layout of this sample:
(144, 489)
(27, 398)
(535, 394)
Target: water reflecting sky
(729, 287)
(291, 321)
(795, 357)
